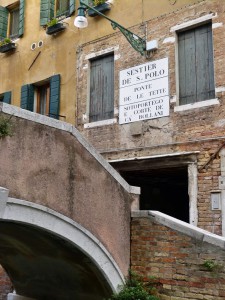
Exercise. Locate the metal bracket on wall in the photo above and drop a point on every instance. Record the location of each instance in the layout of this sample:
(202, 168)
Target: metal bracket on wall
(138, 43)
(34, 60)
(212, 157)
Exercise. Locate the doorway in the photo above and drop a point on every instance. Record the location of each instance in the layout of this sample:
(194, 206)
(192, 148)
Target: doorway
(168, 183)
(164, 190)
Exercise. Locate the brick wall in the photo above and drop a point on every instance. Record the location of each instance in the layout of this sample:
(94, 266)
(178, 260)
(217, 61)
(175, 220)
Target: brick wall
(200, 129)
(5, 284)
(174, 252)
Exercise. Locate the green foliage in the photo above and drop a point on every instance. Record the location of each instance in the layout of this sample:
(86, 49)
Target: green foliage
(98, 2)
(5, 127)
(52, 22)
(136, 289)
(5, 41)
(212, 265)
(209, 264)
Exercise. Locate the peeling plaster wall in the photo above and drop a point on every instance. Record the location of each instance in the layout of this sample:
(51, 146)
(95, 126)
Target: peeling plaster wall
(181, 126)
(187, 129)
(60, 51)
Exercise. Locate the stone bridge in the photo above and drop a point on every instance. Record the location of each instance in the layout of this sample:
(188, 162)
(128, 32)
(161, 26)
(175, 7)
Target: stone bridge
(64, 212)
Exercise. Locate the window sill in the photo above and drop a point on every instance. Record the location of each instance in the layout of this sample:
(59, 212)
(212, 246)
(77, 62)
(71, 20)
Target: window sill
(100, 123)
(196, 105)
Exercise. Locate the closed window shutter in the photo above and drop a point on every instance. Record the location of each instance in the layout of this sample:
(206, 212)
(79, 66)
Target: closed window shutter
(102, 89)
(21, 17)
(27, 97)
(204, 63)
(7, 97)
(72, 7)
(187, 80)
(46, 11)
(3, 22)
(52, 9)
(196, 70)
(54, 96)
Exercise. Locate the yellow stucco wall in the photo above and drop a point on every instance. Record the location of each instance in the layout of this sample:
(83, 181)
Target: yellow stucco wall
(58, 53)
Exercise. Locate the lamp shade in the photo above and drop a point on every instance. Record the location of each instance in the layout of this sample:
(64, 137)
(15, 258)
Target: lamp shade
(80, 22)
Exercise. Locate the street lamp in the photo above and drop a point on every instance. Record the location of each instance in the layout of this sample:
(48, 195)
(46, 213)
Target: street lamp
(81, 20)
(136, 42)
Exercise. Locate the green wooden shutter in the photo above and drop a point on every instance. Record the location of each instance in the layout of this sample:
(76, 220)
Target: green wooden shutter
(46, 11)
(187, 76)
(102, 89)
(196, 70)
(72, 7)
(52, 9)
(88, 2)
(54, 96)
(7, 97)
(27, 97)
(3, 22)
(204, 63)
(21, 17)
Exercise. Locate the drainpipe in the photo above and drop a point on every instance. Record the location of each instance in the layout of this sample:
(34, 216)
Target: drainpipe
(222, 188)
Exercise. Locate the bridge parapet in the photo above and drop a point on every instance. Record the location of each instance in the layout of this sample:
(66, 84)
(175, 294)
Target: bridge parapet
(186, 261)
(48, 162)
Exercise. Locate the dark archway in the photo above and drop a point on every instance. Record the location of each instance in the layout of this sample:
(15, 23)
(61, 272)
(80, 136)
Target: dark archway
(45, 266)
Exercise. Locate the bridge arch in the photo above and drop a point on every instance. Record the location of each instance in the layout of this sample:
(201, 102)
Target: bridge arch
(22, 217)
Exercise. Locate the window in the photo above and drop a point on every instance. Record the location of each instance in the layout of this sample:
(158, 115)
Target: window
(43, 99)
(102, 88)
(55, 8)
(5, 97)
(12, 20)
(196, 70)
(62, 7)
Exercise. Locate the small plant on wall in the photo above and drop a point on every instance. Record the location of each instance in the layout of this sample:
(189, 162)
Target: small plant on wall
(54, 26)
(7, 45)
(98, 2)
(136, 289)
(6, 127)
(212, 266)
(5, 41)
(100, 5)
(52, 22)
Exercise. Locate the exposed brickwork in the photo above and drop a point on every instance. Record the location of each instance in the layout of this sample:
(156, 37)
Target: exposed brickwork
(5, 284)
(176, 260)
(200, 129)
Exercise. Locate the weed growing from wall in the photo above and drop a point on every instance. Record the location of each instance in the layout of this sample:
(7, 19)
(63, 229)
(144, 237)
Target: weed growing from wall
(213, 266)
(135, 288)
(6, 127)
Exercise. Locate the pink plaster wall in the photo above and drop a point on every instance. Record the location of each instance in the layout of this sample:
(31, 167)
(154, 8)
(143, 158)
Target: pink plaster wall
(50, 167)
